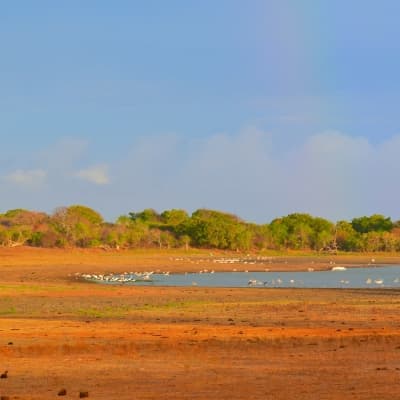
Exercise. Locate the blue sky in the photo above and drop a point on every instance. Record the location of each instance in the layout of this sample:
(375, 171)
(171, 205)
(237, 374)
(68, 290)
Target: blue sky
(260, 108)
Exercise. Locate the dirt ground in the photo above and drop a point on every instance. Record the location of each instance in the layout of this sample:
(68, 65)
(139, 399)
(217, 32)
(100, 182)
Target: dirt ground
(120, 342)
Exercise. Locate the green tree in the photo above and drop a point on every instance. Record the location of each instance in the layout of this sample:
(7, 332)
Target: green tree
(131, 233)
(280, 233)
(148, 216)
(23, 226)
(323, 234)
(174, 217)
(261, 236)
(347, 238)
(374, 223)
(301, 231)
(210, 228)
(78, 225)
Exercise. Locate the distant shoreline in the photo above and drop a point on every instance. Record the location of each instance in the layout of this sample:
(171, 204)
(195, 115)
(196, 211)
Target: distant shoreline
(37, 264)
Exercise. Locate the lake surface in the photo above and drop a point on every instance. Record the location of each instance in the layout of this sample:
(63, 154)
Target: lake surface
(370, 277)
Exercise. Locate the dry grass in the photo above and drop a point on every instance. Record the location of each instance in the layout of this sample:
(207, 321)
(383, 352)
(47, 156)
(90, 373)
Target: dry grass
(181, 343)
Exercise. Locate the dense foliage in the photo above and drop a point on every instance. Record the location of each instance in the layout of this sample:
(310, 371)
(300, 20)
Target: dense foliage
(80, 226)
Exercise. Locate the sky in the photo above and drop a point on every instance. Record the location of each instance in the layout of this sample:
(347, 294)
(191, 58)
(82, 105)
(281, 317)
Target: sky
(257, 108)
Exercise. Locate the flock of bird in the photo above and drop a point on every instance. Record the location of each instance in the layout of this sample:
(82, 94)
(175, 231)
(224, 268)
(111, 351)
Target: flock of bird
(226, 260)
(132, 277)
(292, 282)
(125, 277)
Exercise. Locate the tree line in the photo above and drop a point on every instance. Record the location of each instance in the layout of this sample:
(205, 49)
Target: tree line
(81, 226)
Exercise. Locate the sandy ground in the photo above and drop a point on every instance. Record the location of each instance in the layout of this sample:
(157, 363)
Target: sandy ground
(190, 343)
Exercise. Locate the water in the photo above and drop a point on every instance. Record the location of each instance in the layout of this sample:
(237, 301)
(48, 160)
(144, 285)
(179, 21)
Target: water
(371, 277)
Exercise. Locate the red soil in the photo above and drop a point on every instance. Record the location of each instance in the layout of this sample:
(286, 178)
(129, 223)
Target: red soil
(194, 343)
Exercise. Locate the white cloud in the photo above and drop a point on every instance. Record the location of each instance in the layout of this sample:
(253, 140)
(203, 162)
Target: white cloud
(330, 174)
(97, 174)
(31, 177)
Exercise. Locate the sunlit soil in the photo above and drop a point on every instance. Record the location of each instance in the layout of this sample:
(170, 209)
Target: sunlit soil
(194, 343)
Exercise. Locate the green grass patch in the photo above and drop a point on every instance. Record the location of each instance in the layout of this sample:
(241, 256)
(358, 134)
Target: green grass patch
(7, 311)
(196, 305)
(104, 312)
(174, 305)
(36, 288)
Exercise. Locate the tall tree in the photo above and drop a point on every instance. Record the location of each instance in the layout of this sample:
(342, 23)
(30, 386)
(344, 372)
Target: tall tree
(79, 225)
(374, 223)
